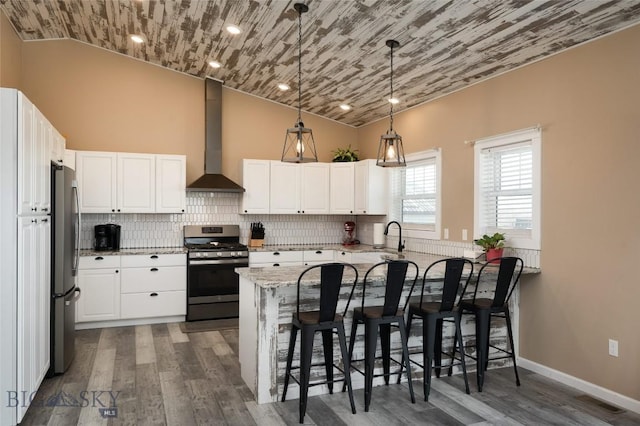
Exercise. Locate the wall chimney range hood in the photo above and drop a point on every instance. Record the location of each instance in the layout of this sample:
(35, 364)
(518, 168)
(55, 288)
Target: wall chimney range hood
(213, 180)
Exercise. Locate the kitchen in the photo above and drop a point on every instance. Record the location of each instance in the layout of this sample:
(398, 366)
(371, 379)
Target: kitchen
(106, 102)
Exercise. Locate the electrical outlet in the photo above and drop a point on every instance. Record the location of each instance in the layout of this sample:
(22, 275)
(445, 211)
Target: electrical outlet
(464, 235)
(613, 347)
(446, 233)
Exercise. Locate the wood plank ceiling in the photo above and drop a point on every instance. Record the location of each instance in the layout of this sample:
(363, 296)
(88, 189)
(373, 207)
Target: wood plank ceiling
(444, 45)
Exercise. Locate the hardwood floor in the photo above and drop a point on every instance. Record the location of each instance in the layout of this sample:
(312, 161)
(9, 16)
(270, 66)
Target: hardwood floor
(156, 375)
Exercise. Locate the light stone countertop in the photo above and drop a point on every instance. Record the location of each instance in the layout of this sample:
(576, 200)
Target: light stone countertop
(358, 248)
(135, 251)
(282, 276)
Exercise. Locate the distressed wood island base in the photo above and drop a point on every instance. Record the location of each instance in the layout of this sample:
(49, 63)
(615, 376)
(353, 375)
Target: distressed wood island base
(268, 300)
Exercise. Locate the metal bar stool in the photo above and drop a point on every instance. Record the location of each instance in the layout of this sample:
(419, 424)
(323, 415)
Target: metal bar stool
(382, 318)
(433, 312)
(507, 271)
(326, 321)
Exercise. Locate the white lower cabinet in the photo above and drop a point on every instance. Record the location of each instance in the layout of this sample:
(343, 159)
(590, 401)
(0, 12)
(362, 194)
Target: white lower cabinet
(153, 286)
(132, 287)
(275, 258)
(342, 256)
(99, 282)
(317, 257)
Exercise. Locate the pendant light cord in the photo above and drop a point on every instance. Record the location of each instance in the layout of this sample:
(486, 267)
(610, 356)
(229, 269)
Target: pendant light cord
(391, 97)
(299, 66)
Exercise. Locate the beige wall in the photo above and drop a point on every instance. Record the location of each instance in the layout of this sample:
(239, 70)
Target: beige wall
(103, 101)
(585, 100)
(10, 55)
(587, 103)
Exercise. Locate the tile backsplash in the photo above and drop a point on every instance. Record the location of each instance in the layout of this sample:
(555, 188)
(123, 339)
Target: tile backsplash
(165, 230)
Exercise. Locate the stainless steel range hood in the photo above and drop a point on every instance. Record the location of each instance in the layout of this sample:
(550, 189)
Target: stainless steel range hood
(213, 180)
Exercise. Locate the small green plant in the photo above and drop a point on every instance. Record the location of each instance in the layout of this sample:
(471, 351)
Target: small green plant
(345, 154)
(494, 241)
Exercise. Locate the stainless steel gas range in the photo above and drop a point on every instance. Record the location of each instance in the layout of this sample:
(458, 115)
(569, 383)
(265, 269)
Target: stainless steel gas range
(214, 251)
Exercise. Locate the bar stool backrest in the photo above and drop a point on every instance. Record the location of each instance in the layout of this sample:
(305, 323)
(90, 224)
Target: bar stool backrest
(453, 276)
(508, 276)
(330, 284)
(395, 279)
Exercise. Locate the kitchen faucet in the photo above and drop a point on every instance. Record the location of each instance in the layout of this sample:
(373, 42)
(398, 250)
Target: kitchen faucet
(386, 231)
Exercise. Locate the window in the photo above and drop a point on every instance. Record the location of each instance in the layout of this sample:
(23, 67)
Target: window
(415, 193)
(507, 187)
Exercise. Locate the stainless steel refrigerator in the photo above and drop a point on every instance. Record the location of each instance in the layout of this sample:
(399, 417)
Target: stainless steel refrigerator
(65, 245)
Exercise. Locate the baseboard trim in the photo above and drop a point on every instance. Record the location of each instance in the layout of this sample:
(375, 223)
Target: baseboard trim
(589, 388)
(128, 322)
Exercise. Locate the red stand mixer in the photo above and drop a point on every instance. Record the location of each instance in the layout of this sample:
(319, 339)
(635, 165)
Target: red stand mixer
(349, 234)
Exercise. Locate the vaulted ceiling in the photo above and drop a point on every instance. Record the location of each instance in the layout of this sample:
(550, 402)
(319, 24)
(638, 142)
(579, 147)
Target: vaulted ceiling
(444, 45)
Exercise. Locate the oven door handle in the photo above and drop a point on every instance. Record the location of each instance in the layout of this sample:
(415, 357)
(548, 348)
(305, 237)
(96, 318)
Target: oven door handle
(228, 261)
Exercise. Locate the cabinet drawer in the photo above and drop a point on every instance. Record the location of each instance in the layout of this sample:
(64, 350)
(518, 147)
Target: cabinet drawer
(274, 263)
(343, 256)
(145, 305)
(275, 256)
(141, 260)
(317, 257)
(98, 262)
(165, 278)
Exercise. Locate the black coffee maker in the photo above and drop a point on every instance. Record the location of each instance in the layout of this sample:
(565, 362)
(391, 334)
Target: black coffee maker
(106, 237)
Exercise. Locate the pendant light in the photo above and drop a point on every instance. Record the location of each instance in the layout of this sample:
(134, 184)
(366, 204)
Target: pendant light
(299, 145)
(390, 150)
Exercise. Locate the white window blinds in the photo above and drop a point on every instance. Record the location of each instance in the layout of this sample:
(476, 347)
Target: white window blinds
(414, 192)
(506, 189)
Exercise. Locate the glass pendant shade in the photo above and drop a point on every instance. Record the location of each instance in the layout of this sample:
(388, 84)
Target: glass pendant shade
(299, 145)
(390, 150)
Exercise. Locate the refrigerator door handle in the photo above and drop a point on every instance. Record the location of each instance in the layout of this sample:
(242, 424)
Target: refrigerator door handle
(76, 258)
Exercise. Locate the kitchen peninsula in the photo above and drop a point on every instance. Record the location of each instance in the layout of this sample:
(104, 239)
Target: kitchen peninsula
(268, 298)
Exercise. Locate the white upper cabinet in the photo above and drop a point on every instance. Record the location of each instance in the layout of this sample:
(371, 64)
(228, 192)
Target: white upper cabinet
(314, 192)
(34, 159)
(370, 188)
(342, 188)
(170, 183)
(26, 156)
(111, 182)
(284, 195)
(256, 181)
(57, 147)
(136, 183)
(96, 175)
(42, 150)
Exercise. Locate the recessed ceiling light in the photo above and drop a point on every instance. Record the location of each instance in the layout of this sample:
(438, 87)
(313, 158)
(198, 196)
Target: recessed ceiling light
(215, 64)
(137, 39)
(394, 101)
(283, 86)
(345, 107)
(233, 29)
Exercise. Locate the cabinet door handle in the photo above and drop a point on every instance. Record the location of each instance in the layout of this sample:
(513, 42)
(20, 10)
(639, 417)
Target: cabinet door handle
(318, 251)
(99, 258)
(118, 210)
(153, 294)
(113, 210)
(45, 209)
(154, 256)
(34, 220)
(276, 264)
(117, 271)
(275, 253)
(45, 220)
(182, 210)
(154, 269)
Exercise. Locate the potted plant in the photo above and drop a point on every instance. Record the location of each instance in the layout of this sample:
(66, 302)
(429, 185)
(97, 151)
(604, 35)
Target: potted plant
(493, 245)
(345, 154)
